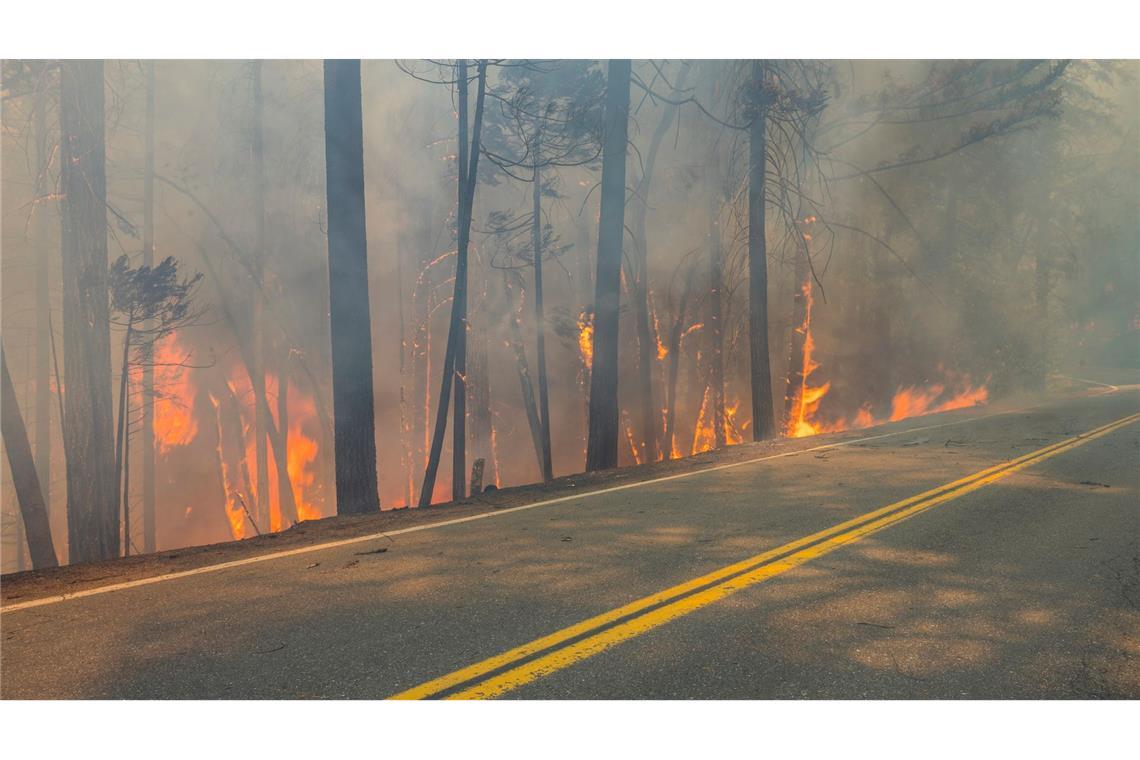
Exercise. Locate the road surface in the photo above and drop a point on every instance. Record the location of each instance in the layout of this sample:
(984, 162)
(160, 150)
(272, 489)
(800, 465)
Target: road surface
(976, 554)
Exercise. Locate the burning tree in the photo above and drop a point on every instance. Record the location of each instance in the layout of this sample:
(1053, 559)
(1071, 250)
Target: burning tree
(148, 303)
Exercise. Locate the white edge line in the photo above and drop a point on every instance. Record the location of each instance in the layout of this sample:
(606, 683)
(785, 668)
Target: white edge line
(1108, 388)
(483, 515)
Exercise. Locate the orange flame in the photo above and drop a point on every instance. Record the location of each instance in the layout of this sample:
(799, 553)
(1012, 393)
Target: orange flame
(301, 444)
(632, 441)
(733, 433)
(174, 421)
(704, 436)
(586, 338)
(234, 512)
(662, 349)
(807, 399)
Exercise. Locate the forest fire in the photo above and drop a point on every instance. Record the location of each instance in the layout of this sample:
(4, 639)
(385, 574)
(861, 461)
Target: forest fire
(913, 402)
(704, 435)
(232, 412)
(909, 401)
(466, 333)
(301, 452)
(805, 402)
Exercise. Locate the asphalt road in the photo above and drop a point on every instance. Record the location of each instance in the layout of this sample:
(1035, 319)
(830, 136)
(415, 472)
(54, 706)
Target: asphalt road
(1020, 583)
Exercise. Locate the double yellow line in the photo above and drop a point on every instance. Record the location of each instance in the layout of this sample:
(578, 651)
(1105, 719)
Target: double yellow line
(507, 671)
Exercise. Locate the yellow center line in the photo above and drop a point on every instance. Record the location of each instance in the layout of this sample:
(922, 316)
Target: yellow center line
(495, 676)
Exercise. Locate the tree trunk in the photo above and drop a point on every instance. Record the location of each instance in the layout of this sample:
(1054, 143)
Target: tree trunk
(479, 395)
(675, 334)
(525, 384)
(423, 303)
(603, 418)
(284, 481)
(25, 481)
(455, 358)
(43, 308)
(121, 428)
(715, 322)
(763, 421)
(350, 319)
(149, 484)
(93, 525)
(540, 327)
(405, 421)
(127, 486)
(231, 449)
(257, 317)
(459, 303)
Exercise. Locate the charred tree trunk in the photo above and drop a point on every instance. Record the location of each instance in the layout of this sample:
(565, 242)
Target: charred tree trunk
(405, 422)
(423, 303)
(149, 487)
(525, 383)
(25, 481)
(540, 326)
(763, 421)
(584, 244)
(478, 394)
(646, 358)
(89, 440)
(350, 318)
(604, 416)
(231, 449)
(715, 322)
(257, 316)
(455, 355)
(43, 309)
(284, 480)
(121, 428)
(459, 304)
(127, 485)
(675, 335)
